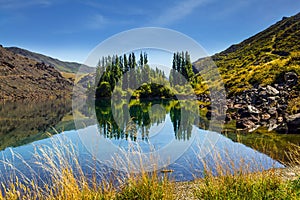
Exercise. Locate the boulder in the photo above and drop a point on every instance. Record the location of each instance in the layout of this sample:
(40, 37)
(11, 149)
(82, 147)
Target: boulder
(272, 124)
(245, 124)
(253, 109)
(263, 94)
(271, 90)
(265, 116)
(238, 106)
(272, 111)
(255, 119)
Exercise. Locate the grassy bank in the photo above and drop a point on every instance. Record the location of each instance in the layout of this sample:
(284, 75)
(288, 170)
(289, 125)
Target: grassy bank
(68, 181)
(264, 185)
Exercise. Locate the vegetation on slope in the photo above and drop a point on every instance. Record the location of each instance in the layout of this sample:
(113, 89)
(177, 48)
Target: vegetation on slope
(261, 59)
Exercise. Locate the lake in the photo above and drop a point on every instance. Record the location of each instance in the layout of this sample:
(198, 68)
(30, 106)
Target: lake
(168, 131)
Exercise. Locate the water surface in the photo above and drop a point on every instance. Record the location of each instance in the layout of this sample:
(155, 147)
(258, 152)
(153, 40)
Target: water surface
(169, 127)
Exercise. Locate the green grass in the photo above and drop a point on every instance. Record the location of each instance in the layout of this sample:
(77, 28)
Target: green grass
(261, 59)
(294, 106)
(248, 186)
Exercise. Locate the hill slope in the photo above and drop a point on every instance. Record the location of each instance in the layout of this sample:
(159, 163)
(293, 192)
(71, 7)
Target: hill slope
(263, 58)
(24, 78)
(62, 66)
(261, 77)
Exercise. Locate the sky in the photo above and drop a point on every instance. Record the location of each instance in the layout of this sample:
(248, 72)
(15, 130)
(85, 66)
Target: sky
(70, 30)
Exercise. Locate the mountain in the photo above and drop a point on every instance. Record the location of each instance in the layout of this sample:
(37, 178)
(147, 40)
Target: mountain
(62, 66)
(262, 59)
(261, 78)
(24, 78)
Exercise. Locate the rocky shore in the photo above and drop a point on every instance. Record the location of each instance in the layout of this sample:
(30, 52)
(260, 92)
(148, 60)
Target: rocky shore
(266, 106)
(263, 106)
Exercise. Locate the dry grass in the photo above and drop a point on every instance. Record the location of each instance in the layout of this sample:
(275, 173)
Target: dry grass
(68, 75)
(66, 180)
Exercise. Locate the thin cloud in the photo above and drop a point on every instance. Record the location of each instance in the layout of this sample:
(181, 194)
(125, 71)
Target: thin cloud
(18, 4)
(178, 11)
(117, 8)
(97, 21)
(236, 5)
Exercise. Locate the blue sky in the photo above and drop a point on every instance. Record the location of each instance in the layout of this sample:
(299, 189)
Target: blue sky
(69, 30)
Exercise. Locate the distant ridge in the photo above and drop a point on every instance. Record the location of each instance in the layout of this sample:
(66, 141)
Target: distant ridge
(62, 66)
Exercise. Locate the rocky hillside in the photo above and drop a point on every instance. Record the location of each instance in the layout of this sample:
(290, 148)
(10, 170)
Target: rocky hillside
(24, 78)
(261, 77)
(62, 66)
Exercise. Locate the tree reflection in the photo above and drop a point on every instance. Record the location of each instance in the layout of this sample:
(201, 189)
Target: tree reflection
(121, 120)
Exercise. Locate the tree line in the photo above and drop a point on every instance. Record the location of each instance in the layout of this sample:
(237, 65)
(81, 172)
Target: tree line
(125, 70)
(129, 73)
(182, 69)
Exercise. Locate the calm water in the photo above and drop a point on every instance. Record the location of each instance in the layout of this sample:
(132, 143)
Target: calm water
(168, 128)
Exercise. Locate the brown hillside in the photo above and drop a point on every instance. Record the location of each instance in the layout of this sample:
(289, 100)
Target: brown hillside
(23, 78)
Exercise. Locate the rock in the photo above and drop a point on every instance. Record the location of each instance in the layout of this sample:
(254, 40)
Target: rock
(255, 119)
(265, 116)
(291, 78)
(272, 121)
(245, 124)
(272, 127)
(234, 116)
(254, 128)
(263, 94)
(228, 117)
(253, 109)
(272, 124)
(272, 98)
(243, 113)
(293, 123)
(272, 111)
(238, 106)
(282, 128)
(266, 106)
(271, 90)
(257, 102)
(281, 109)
